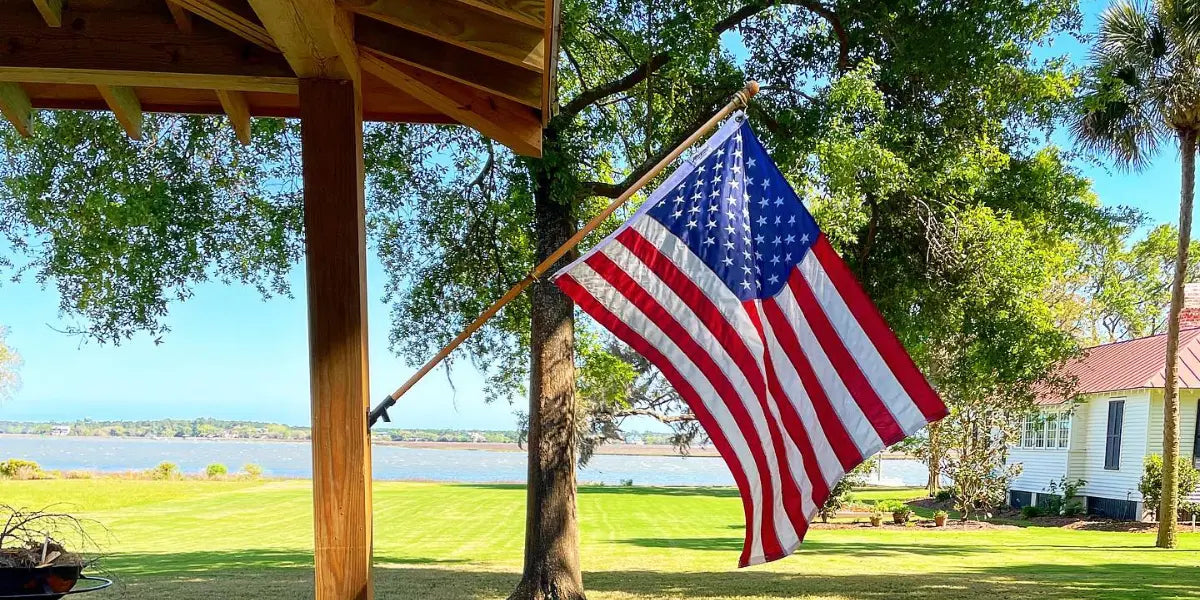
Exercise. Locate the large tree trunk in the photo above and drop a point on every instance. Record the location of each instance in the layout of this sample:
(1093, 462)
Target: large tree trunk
(551, 532)
(1169, 507)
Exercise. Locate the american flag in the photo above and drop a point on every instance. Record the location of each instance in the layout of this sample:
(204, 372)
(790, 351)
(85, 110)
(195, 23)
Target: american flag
(724, 282)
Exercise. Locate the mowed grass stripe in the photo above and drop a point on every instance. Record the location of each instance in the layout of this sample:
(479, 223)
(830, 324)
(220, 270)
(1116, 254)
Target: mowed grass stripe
(198, 540)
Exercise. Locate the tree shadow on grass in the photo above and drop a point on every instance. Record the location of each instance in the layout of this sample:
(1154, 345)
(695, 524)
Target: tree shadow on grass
(144, 579)
(817, 548)
(585, 490)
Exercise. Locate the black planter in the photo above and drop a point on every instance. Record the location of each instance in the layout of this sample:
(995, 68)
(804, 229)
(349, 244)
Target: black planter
(53, 581)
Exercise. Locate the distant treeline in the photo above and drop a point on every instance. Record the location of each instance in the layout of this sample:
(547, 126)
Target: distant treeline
(254, 430)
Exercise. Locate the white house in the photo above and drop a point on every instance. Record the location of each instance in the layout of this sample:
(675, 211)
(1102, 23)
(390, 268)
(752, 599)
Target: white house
(1104, 438)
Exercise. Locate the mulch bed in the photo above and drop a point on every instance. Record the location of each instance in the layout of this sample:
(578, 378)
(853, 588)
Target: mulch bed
(923, 524)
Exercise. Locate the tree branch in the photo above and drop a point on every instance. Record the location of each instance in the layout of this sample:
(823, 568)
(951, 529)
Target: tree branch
(614, 190)
(588, 97)
(660, 417)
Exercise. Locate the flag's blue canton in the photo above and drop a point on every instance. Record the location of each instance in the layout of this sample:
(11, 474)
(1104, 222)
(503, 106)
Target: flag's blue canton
(740, 216)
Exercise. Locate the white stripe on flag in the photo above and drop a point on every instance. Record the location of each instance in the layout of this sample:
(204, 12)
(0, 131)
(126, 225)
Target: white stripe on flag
(629, 314)
(789, 380)
(865, 438)
(692, 323)
(870, 362)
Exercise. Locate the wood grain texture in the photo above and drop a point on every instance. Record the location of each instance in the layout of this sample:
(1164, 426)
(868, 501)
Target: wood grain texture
(316, 38)
(529, 12)
(15, 106)
(234, 16)
(335, 241)
(51, 11)
(453, 62)
(462, 25)
(133, 49)
(124, 104)
(238, 112)
(507, 122)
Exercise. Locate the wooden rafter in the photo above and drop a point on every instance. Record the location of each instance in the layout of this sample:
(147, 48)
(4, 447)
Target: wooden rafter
(51, 11)
(238, 112)
(529, 12)
(125, 105)
(315, 36)
(130, 49)
(181, 16)
(483, 73)
(507, 122)
(234, 16)
(15, 106)
(462, 25)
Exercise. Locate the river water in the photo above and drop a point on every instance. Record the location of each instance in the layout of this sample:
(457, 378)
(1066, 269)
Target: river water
(293, 459)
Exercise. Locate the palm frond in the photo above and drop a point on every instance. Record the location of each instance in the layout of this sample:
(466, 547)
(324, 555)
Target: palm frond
(1118, 117)
(1180, 19)
(1129, 34)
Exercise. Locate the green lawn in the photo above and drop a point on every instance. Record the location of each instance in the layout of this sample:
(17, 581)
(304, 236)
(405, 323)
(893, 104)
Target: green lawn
(221, 540)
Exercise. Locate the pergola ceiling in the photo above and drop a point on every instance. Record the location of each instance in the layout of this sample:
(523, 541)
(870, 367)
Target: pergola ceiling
(487, 64)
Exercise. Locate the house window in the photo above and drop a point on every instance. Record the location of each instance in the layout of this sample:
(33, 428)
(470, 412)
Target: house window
(1051, 430)
(1027, 439)
(1064, 430)
(1039, 431)
(1112, 444)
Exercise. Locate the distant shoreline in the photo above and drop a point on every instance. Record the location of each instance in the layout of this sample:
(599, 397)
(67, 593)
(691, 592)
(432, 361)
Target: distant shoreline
(607, 449)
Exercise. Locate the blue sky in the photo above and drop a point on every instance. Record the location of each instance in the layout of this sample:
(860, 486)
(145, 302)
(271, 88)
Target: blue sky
(231, 355)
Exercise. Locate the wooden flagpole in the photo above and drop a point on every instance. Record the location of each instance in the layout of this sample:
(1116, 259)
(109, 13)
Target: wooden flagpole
(741, 99)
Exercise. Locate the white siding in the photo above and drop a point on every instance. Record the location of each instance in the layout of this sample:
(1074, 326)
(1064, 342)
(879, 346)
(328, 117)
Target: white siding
(1119, 484)
(1038, 467)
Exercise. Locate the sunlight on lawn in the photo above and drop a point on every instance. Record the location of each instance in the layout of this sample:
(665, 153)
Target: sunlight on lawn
(208, 540)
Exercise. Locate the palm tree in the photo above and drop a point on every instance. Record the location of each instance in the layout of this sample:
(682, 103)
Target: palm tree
(1142, 90)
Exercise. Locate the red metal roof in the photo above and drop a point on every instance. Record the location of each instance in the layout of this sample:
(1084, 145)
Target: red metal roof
(1133, 364)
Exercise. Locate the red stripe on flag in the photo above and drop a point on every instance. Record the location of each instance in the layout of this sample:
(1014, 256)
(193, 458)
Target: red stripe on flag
(820, 488)
(835, 431)
(731, 339)
(847, 368)
(639, 297)
(604, 317)
(876, 328)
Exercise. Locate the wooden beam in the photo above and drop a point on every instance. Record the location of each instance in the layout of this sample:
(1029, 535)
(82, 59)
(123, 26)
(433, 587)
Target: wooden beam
(316, 38)
(529, 12)
(553, 30)
(15, 106)
(105, 47)
(462, 25)
(238, 112)
(486, 74)
(181, 16)
(335, 242)
(507, 122)
(125, 105)
(51, 11)
(234, 16)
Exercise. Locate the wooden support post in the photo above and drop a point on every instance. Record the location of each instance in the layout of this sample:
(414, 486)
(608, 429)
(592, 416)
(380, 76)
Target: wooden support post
(331, 142)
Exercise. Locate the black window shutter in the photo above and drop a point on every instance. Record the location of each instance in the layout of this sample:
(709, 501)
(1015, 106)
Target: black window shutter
(1112, 444)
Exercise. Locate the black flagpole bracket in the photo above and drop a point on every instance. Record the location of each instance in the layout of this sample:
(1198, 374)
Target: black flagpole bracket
(380, 411)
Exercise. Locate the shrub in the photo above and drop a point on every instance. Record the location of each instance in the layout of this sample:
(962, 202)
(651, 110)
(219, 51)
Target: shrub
(16, 468)
(252, 471)
(944, 496)
(1064, 497)
(216, 471)
(941, 514)
(78, 475)
(165, 470)
(1032, 512)
(1151, 483)
(627, 482)
(1073, 509)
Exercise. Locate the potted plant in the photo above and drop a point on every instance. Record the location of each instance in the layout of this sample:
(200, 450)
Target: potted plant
(32, 560)
(900, 513)
(939, 518)
(876, 516)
